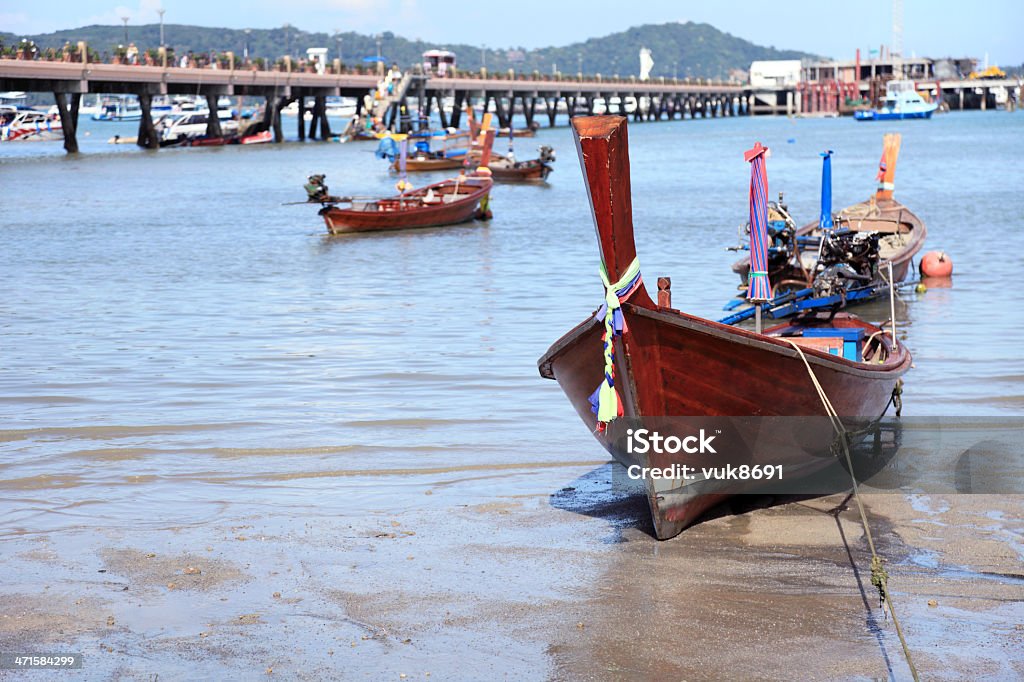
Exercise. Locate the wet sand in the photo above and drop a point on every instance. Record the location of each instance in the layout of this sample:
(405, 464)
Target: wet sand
(546, 583)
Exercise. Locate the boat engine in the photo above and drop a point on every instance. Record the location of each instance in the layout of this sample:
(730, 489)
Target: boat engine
(836, 280)
(848, 260)
(858, 250)
(315, 188)
(547, 154)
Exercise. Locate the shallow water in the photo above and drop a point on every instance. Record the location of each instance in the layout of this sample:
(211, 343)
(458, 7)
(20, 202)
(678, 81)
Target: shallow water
(182, 356)
(167, 320)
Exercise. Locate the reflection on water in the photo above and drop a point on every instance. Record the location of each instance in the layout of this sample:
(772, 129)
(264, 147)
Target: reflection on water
(173, 333)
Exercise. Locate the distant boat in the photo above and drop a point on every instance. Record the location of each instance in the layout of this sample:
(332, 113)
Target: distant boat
(453, 201)
(24, 124)
(901, 101)
(507, 169)
(438, 150)
(176, 129)
(120, 109)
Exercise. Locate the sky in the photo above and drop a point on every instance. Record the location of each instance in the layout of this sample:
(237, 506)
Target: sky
(933, 28)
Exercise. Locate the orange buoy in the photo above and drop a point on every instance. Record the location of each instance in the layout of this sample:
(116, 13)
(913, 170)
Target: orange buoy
(936, 264)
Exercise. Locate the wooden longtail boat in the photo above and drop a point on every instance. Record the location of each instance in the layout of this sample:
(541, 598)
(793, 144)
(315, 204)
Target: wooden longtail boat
(518, 132)
(451, 155)
(507, 169)
(669, 364)
(453, 201)
(449, 202)
(901, 233)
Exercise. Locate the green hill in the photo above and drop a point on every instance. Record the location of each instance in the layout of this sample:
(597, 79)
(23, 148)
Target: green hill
(688, 49)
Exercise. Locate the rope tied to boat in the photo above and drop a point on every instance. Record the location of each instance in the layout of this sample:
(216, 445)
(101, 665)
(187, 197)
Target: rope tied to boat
(605, 401)
(879, 576)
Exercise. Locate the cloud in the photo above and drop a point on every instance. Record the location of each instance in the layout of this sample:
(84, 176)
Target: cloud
(143, 13)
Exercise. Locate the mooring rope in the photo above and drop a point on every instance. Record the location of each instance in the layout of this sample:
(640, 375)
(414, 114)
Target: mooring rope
(879, 576)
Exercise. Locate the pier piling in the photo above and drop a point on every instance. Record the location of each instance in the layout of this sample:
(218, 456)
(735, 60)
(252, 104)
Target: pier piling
(68, 120)
(147, 137)
(212, 120)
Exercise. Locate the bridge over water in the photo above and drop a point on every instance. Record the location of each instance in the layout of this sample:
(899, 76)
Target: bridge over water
(535, 97)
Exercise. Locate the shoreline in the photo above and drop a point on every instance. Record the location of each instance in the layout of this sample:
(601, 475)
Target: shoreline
(569, 584)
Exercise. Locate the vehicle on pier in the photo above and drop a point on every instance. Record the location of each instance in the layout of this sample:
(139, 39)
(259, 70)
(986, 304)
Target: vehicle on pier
(657, 368)
(901, 101)
(439, 62)
(839, 259)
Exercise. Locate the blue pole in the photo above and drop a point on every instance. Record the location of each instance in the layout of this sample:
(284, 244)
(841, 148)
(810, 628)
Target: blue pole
(825, 219)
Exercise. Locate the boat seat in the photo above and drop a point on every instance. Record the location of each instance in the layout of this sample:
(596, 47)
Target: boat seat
(876, 225)
(891, 245)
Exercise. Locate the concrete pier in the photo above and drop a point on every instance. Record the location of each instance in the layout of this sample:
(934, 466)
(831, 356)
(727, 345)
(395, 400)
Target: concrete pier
(656, 100)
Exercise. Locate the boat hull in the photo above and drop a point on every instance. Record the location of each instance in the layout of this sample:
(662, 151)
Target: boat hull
(872, 115)
(415, 165)
(523, 171)
(464, 209)
(669, 364)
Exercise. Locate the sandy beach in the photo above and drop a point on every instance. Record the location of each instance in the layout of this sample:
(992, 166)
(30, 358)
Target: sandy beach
(569, 585)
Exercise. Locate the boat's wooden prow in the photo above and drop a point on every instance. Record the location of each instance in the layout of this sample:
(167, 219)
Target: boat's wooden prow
(887, 167)
(603, 147)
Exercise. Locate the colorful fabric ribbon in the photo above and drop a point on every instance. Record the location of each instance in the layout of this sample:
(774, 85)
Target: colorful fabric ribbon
(605, 401)
(882, 167)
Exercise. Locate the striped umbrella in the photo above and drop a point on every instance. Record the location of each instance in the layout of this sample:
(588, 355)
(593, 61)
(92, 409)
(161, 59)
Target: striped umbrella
(760, 288)
(825, 219)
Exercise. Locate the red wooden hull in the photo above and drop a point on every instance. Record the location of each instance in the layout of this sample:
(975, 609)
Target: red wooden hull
(422, 165)
(409, 211)
(670, 364)
(523, 171)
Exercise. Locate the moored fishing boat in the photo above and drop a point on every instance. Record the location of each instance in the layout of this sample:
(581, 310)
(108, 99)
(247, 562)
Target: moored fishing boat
(901, 101)
(841, 258)
(507, 169)
(432, 151)
(450, 202)
(659, 363)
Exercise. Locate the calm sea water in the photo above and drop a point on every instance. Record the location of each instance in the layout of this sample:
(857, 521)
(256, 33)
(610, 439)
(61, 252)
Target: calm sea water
(171, 333)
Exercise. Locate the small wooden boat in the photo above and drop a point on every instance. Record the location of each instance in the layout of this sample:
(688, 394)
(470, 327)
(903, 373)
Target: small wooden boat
(426, 156)
(518, 132)
(660, 363)
(507, 169)
(453, 201)
(900, 236)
